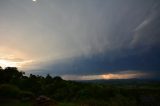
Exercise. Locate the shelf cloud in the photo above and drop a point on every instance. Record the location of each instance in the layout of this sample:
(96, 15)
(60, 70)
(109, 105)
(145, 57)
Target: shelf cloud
(82, 37)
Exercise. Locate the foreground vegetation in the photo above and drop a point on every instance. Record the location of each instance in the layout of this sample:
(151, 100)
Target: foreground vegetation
(16, 89)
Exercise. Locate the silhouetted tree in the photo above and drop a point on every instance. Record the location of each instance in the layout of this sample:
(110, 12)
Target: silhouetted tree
(10, 74)
(13, 83)
(48, 79)
(1, 68)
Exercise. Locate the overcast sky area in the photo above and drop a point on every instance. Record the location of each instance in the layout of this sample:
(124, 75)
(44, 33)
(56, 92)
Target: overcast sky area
(82, 39)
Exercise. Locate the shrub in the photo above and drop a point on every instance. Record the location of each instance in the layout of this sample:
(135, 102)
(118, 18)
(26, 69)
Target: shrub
(26, 95)
(9, 91)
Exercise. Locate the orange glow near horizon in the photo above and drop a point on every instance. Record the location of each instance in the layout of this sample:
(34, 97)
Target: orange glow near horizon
(12, 57)
(127, 75)
(121, 76)
(8, 63)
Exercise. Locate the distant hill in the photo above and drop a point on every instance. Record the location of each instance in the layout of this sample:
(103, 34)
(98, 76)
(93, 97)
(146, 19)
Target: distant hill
(122, 81)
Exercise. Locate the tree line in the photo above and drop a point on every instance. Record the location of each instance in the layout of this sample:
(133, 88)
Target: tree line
(15, 84)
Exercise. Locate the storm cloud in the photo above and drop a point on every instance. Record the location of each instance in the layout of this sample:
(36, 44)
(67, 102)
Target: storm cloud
(83, 37)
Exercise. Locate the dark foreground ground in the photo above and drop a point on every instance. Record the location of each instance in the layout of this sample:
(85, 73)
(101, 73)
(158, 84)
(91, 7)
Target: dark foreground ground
(105, 93)
(19, 90)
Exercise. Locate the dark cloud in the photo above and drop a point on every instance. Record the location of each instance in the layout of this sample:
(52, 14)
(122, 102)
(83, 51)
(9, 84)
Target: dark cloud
(132, 44)
(84, 37)
(147, 62)
(147, 33)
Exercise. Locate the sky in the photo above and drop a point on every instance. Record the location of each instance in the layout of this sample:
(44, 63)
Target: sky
(81, 39)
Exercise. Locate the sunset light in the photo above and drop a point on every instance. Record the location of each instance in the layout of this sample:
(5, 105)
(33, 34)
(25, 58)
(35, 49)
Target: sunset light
(8, 63)
(109, 76)
(5, 63)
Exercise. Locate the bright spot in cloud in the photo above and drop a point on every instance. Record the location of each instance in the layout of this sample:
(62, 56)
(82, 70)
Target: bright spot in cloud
(12, 57)
(34, 0)
(8, 63)
(126, 75)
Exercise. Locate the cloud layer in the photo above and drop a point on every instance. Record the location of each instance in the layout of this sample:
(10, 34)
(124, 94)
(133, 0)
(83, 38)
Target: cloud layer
(82, 37)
